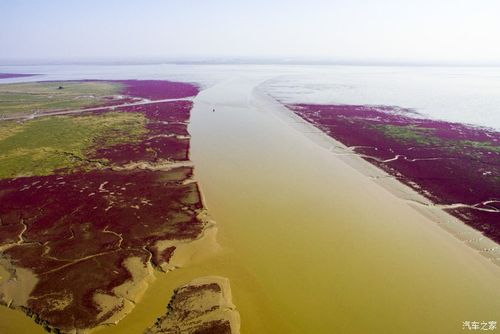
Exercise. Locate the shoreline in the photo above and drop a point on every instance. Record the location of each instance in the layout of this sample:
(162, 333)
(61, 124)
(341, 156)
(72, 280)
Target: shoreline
(187, 253)
(474, 239)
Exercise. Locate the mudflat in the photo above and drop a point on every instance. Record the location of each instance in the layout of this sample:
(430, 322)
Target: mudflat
(86, 199)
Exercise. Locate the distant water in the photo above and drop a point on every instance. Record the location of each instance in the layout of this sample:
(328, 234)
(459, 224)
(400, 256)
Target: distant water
(466, 95)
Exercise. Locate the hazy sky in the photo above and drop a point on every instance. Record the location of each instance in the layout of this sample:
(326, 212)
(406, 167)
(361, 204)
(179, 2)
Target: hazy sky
(388, 30)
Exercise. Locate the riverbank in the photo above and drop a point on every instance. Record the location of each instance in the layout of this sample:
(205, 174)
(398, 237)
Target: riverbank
(453, 187)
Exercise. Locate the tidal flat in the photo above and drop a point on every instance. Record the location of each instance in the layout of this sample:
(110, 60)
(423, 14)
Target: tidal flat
(310, 244)
(455, 166)
(86, 200)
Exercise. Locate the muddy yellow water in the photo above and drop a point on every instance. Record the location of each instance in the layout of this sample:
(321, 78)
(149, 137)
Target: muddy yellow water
(310, 244)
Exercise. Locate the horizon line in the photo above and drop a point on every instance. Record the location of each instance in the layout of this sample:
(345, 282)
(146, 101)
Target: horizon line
(157, 60)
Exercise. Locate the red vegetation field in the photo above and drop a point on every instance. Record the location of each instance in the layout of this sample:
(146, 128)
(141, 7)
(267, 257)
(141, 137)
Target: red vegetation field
(449, 163)
(158, 89)
(79, 228)
(75, 231)
(167, 121)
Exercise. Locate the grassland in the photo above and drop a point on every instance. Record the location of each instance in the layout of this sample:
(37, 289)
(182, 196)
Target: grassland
(26, 98)
(426, 137)
(41, 146)
(409, 133)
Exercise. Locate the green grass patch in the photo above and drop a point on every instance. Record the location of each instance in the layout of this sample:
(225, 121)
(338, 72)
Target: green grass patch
(409, 133)
(26, 98)
(424, 136)
(481, 145)
(43, 145)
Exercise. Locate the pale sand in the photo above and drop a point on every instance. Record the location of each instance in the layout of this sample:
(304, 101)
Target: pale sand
(163, 165)
(192, 251)
(128, 294)
(16, 284)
